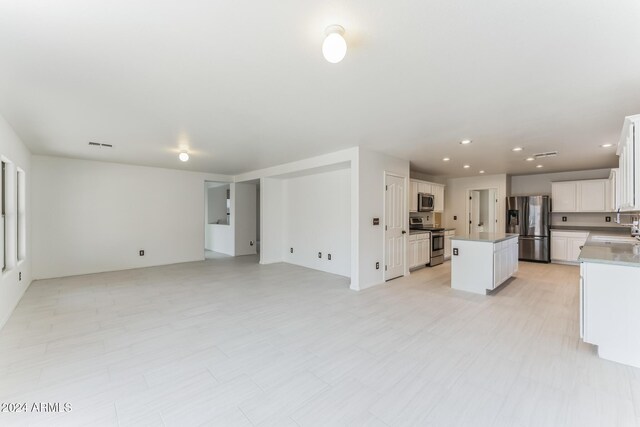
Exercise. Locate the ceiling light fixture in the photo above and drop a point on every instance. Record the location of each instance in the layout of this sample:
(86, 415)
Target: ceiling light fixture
(466, 166)
(183, 156)
(539, 166)
(481, 171)
(529, 159)
(517, 149)
(446, 159)
(465, 141)
(606, 145)
(334, 47)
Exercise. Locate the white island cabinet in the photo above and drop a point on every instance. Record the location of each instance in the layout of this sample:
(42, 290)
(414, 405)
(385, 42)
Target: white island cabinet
(481, 262)
(610, 297)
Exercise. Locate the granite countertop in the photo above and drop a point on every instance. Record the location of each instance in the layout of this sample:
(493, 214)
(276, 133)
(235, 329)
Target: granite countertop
(486, 237)
(612, 229)
(603, 252)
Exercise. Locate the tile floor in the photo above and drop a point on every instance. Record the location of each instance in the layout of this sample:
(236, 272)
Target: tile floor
(231, 343)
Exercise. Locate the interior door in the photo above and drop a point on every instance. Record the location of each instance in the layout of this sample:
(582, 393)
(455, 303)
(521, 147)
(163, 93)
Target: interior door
(394, 226)
(474, 215)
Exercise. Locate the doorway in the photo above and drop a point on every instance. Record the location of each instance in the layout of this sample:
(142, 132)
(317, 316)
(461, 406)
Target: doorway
(218, 238)
(395, 218)
(481, 210)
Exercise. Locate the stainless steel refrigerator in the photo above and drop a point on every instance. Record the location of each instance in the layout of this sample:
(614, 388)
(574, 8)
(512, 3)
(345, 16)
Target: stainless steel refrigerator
(529, 216)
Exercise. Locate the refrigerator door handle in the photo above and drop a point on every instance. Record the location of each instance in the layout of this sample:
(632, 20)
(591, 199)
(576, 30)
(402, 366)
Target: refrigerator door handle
(532, 238)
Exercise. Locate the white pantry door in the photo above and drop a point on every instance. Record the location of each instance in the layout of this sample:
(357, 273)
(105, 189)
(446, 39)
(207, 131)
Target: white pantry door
(394, 223)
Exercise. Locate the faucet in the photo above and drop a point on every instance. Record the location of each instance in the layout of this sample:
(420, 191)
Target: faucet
(634, 224)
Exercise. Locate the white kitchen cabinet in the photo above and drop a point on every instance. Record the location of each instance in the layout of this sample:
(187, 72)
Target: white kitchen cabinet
(592, 195)
(564, 196)
(628, 181)
(417, 186)
(614, 191)
(438, 194)
(419, 250)
(566, 245)
(447, 243)
(482, 265)
(609, 315)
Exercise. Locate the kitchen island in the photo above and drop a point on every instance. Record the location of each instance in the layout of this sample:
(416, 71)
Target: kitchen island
(481, 262)
(610, 296)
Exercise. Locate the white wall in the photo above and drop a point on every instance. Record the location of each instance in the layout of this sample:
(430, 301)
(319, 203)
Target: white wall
(457, 197)
(528, 185)
(11, 287)
(317, 218)
(90, 217)
(243, 212)
(371, 169)
(217, 204)
(219, 238)
(271, 220)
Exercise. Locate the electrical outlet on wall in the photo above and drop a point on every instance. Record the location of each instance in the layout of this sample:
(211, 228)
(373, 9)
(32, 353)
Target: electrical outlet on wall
(607, 219)
(377, 266)
(564, 219)
(291, 250)
(141, 252)
(319, 254)
(329, 257)
(250, 242)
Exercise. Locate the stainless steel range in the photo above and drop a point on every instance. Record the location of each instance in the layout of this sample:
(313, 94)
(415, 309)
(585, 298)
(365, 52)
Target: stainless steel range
(437, 239)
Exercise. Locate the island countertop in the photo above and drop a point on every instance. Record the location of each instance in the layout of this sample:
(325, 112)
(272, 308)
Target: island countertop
(597, 249)
(486, 237)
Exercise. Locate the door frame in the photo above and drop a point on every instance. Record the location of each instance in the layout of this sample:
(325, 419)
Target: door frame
(468, 206)
(405, 214)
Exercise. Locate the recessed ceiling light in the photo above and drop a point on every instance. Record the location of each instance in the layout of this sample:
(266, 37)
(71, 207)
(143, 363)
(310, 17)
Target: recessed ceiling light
(465, 141)
(539, 166)
(517, 149)
(606, 145)
(466, 166)
(529, 159)
(184, 156)
(481, 171)
(446, 159)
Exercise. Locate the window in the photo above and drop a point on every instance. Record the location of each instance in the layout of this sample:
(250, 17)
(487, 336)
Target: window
(9, 226)
(21, 231)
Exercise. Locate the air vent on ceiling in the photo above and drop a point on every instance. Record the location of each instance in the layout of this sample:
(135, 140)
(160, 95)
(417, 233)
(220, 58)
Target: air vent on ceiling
(547, 154)
(97, 144)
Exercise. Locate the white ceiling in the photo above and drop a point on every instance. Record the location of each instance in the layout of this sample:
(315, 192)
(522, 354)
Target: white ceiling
(244, 85)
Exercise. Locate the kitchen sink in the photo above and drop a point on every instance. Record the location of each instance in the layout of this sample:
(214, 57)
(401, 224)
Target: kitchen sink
(616, 239)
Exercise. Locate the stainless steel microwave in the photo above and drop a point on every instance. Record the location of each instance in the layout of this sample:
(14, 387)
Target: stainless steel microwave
(425, 202)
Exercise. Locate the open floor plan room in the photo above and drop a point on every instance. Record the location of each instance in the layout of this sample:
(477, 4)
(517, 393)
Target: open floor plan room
(230, 342)
(339, 213)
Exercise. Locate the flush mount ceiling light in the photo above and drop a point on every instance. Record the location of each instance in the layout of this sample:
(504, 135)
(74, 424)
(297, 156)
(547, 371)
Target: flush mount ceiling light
(466, 166)
(481, 171)
(446, 159)
(606, 145)
(529, 159)
(465, 141)
(517, 149)
(539, 166)
(334, 47)
(183, 156)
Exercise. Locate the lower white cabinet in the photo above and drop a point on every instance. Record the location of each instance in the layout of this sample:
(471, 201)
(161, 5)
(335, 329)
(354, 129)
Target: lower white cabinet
(447, 243)
(566, 245)
(419, 250)
(479, 265)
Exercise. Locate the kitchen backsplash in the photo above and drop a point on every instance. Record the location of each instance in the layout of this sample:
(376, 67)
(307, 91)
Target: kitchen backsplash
(429, 218)
(584, 219)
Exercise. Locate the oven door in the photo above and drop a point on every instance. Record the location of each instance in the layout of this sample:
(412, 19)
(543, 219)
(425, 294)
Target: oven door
(425, 202)
(437, 244)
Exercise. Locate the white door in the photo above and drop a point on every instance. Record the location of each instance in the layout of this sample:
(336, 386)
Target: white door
(394, 226)
(474, 214)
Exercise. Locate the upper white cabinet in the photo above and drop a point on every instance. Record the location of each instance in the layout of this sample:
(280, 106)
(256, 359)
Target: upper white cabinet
(593, 195)
(417, 186)
(628, 176)
(614, 190)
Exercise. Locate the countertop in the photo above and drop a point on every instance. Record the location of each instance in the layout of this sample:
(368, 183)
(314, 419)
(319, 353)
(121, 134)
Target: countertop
(616, 229)
(418, 232)
(627, 254)
(486, 237)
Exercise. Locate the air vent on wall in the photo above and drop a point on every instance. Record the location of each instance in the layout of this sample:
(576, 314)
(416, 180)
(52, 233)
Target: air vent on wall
(97, 144)
(547, 154)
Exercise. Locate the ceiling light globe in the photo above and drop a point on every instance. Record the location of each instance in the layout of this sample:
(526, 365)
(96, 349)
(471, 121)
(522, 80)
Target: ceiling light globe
(184, 156)
(334, 47)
